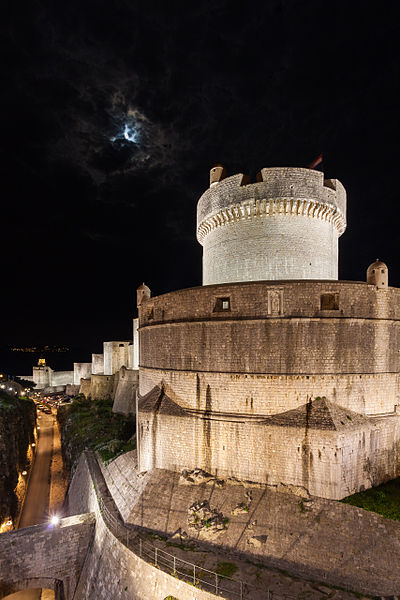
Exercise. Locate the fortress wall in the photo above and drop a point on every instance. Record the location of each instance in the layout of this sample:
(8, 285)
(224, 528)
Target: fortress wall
(42, 376)
(82, 371)
(102, 386)
(269, 248)
(97, 363)
(41, 555)
(135, 363)
(258, 394)
(272, 300)
(61, 378)
(326, 541)
(111, 570)
(85, 386)
(73, 390)
(116, 355)
(278, 346)
(326, 463)
(277, 182)
(125, 393)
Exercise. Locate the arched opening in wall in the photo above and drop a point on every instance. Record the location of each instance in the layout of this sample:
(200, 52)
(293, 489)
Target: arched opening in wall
(32, 594)
(40, 588)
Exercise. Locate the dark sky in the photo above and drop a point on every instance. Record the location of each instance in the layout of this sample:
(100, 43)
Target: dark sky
(87, 215)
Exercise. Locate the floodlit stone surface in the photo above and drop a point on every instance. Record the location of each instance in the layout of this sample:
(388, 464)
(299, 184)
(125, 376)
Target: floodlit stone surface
(283, 227)
(45, 556)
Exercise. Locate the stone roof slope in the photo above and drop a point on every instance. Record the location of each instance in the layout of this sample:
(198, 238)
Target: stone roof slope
(157, 401)
(318, 414)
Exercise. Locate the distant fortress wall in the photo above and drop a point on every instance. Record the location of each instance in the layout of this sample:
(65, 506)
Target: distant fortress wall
(97, 364)
(116, 355)
(82, 371)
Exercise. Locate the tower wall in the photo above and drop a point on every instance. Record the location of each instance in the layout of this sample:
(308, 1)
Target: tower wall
(274, 347)
(97, 364)
(116, 355)
(284, 227)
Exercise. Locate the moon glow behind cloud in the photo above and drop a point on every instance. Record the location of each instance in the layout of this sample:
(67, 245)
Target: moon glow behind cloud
(130, 132)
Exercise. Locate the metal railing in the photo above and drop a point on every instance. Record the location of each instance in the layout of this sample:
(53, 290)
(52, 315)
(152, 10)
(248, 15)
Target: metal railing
(198, 576)
(186, 571)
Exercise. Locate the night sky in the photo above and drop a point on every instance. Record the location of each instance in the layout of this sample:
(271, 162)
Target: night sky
(113, 112)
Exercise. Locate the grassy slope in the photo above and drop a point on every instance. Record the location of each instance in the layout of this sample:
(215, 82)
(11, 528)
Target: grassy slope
(92, 424)
(384, 499)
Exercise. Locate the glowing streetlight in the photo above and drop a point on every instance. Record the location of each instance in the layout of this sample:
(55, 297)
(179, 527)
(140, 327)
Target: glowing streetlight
(55, 520)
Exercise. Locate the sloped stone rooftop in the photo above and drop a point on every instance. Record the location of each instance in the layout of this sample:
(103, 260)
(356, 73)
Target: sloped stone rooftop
(318, 414)
(157, 401)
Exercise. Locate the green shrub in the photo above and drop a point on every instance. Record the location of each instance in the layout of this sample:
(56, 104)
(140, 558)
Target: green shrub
(92, 424)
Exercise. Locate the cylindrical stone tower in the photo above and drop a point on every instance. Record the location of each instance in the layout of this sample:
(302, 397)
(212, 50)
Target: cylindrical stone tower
(283, 227)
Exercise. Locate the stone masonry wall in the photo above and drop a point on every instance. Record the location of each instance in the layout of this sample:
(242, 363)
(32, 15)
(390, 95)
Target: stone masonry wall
(258, 394)
(273, 247)
(327, 463)
(275, 347)
(111, 570)
(322, 540)
(102, 386)
(285, 227)
(116, 355)
(125, 393)
(82, 371)
(33, 555)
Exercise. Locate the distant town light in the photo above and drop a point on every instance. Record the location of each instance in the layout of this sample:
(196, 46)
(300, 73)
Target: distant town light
(24, 473)
(33, 444)
(7, 525)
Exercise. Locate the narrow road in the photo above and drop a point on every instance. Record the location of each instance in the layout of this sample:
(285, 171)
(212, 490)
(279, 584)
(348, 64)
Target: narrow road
(36, 505)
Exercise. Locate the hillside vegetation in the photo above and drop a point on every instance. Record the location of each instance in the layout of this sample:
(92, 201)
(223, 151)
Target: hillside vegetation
(384, 499)
(91, 424)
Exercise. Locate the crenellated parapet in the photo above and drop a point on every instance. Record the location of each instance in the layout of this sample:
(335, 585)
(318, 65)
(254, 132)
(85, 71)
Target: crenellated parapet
(285, 226)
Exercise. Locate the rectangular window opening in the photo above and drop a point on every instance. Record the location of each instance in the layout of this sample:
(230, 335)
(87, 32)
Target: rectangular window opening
(222, 305)
(330, 301)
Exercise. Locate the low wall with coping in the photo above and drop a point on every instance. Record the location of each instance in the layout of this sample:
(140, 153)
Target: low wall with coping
(43, 556)
(111, 569)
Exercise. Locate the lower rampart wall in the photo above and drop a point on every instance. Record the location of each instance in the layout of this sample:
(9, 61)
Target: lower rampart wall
(38, 556)
(323, 541)
(327, 463)
(262, 394)
(111, 569)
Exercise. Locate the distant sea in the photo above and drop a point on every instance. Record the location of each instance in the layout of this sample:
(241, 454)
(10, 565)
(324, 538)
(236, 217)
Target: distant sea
(21, 363)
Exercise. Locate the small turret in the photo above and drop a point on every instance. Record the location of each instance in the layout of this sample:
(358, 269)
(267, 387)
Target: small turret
(217, 173)
(378, 274)
(142, 293)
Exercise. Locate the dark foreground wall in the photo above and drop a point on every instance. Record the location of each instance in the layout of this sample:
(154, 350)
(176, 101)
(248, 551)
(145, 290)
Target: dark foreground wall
(17, 423)
(42, 556)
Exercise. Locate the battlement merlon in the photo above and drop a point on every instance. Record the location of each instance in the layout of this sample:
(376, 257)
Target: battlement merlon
(290, 190)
